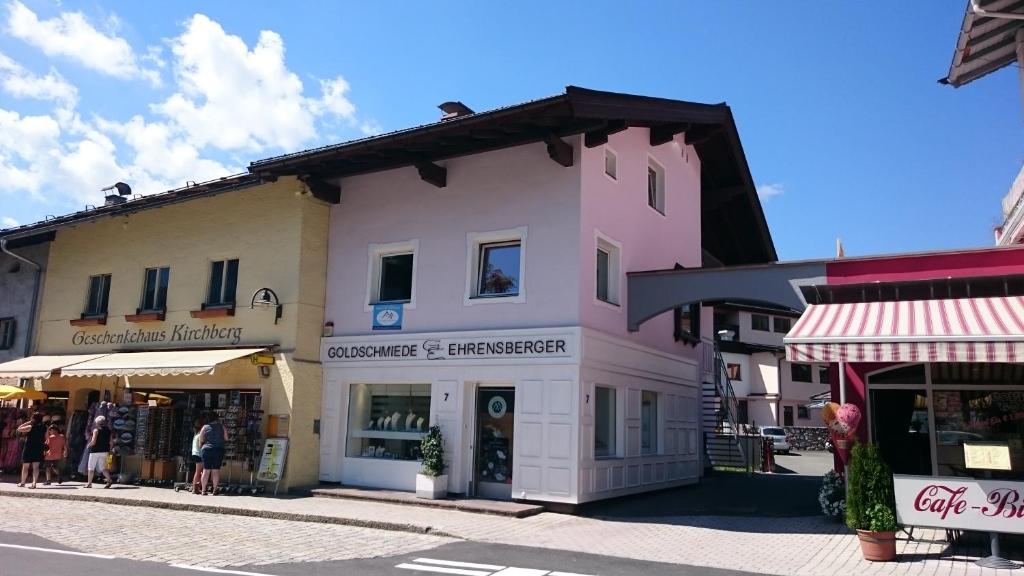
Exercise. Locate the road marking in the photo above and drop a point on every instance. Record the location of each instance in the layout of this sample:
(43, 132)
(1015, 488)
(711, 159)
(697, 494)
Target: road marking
(216, 570)
(443, 570)
(55, 551)
(471, 569)
(455, 564)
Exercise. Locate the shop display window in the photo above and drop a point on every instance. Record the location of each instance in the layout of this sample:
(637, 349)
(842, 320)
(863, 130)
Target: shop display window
(978, 416)
(387, 421)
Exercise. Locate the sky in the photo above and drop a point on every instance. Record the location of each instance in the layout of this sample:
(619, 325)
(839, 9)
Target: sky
(847, 132)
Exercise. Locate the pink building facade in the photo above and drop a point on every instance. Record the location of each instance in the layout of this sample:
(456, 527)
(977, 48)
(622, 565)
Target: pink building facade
(486, 293)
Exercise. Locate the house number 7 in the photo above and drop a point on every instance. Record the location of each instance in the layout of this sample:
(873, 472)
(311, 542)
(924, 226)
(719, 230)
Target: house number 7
(445, 396)
(587, 401)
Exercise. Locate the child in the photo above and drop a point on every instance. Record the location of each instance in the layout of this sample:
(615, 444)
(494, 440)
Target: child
(56, 452)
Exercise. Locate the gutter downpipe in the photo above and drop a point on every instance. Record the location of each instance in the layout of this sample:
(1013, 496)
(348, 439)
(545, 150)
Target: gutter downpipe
(35, 294)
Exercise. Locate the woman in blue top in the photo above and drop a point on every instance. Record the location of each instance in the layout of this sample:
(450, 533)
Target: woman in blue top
(212, 439)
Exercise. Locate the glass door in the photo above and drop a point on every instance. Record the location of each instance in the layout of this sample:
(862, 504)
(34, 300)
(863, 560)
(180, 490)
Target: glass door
(495, 417)
(899, 425)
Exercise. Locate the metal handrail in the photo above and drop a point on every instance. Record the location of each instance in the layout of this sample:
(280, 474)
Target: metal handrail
(727, 397)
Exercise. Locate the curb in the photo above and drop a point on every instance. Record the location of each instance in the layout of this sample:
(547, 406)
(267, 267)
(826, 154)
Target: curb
(290, 516)
(442, 504)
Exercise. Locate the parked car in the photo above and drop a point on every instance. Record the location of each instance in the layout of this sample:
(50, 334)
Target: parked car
(778, 436)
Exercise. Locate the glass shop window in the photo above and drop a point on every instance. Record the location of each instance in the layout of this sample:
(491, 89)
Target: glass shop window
(387, 421)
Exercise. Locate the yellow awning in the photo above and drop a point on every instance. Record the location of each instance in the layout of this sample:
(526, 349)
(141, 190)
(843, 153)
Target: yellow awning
(162, 363)
(16, 393)
(42, 366)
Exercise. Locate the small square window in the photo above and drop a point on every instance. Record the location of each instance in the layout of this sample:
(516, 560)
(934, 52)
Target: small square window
(803, 413)
(499, 269)
(7, 326)
(656, 187)
(395, 278)
(760, 322)
(733, 370)
(99, 295)
(611, 164)
(782, 324)
(823, 374)
(154, 292)
(800, 372)
(223, 282)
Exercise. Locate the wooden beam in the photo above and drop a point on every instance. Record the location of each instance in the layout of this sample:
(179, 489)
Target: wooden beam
(600, 136)
(665, 133)
(433, 174)
(559, 150)
(322, 190)
(700, 134)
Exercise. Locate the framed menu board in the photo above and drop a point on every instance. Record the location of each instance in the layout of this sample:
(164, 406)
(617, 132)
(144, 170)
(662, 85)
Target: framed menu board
(987, 455)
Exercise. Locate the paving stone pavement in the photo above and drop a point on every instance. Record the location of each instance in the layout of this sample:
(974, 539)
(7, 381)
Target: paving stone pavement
(801, 546)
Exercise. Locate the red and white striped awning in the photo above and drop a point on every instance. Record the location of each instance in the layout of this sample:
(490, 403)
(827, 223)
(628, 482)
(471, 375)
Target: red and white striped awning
(954, 330)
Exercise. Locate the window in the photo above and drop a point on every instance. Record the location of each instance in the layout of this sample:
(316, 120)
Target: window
(395, 278)
(607, 265)
(782, 324)
(604, 422)
(803, 413)
(800, 372)
(733, 370)
(154, 294)
(223, 279)
(648, 422)
(655, 187)
(387, 421)
(823, 373)
(496, 266)
(611, 164)
(99, 295)
(742, 412)
(759, 322)
(787, 415)
(6, 333)
(687, 322)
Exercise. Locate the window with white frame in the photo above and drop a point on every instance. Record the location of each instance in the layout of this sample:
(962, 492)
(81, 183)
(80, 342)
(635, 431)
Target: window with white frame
(648, 422)
(607, 257)
(392, 273)
(496, 266)
(154, 291)
(223, 282)
(7, 333)
(611, 164)
(605, 422)
(655, 186)
(99, 295)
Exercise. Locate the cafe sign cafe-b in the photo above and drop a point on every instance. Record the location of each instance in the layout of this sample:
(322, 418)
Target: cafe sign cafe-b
(960, 503)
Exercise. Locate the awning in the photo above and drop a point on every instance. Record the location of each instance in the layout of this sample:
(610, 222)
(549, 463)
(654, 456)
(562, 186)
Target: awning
(41, 366)
(164, 363)
(18, 393)
(954, 330)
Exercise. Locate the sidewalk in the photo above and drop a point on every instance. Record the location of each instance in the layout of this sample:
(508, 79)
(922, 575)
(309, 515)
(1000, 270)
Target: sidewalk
(786, 546)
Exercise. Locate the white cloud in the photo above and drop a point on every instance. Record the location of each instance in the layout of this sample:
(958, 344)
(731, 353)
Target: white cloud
(21, 83)
(370, 128)
(333, 99)
(8, 222)
(72, 36)
(769, 191)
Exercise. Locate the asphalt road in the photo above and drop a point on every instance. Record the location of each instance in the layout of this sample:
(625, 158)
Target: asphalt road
(28, 555)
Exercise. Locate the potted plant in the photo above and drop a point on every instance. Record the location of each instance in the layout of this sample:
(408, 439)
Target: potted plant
(432, 482)
(870, 503)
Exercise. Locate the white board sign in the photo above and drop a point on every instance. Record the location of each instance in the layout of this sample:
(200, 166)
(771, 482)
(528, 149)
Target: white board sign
(272, 462)
(961, 503)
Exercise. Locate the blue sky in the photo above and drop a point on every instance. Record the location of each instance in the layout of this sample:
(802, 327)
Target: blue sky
(843, 122)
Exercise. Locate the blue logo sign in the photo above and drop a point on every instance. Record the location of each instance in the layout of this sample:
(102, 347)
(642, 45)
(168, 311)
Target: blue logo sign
(387, 316)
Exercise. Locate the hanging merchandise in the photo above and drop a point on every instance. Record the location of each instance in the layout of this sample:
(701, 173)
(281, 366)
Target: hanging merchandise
(10, 445)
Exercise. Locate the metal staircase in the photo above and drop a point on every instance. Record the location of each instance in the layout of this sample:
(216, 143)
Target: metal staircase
(721, 444)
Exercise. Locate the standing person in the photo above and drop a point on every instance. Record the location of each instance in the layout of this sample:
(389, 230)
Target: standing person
(197, 459)
(212, 438)
(56, 452)
(99, 447)
(35, 445)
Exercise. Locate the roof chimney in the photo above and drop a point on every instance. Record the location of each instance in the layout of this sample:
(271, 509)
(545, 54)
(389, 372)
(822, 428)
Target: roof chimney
(122, 189)
(454, 110)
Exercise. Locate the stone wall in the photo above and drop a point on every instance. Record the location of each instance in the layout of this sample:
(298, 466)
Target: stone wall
(806, 437)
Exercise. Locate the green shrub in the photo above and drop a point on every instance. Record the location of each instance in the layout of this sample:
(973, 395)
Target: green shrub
(432, 449)
(881, 519)
(869, 487)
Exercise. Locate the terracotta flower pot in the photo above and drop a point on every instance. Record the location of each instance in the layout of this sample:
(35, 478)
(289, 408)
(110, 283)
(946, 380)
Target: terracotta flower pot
(877, 546)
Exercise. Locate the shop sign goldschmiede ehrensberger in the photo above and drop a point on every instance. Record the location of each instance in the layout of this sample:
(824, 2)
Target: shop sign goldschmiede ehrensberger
(455, 348)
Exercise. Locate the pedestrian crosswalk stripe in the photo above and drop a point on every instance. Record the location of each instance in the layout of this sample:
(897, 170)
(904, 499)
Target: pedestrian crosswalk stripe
(456, 564)
(474, 569)
(444, 570)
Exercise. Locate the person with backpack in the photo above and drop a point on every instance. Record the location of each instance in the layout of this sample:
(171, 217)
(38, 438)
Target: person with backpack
(99, 447)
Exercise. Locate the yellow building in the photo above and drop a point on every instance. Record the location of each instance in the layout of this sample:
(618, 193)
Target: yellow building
(160, 301)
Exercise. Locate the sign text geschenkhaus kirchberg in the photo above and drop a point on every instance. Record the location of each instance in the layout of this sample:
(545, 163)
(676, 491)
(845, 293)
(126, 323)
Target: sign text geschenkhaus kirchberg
(452, 349)
(177, 333)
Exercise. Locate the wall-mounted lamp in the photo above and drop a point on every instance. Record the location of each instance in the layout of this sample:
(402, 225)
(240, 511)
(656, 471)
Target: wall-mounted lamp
(267, 298)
